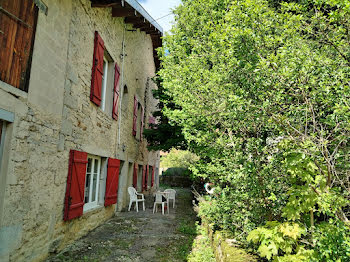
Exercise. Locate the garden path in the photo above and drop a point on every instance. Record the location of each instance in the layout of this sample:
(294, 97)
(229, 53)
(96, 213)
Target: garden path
(139, 237)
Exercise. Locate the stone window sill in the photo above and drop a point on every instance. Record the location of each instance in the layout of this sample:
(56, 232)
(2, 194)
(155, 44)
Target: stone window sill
(13, 90)
(93, 210)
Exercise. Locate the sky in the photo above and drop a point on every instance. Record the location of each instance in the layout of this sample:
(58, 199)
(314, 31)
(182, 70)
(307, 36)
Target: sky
(160, 8)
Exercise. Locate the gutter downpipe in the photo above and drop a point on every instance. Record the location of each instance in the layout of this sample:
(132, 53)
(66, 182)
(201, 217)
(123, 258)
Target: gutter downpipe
(122, 86)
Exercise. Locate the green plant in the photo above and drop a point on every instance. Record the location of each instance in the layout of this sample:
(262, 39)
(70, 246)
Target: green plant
(178, 158)
(279, 242)
(176, 171)
(332, 242)
(261, 92)
(201, 249)
(187, 228)
(164, 134)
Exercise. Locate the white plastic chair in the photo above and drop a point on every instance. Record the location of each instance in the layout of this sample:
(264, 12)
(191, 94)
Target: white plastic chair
(171, 195)
(159, 201)
(134, 198)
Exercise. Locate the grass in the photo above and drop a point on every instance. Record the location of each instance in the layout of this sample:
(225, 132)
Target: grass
(187, 228)
(201, 249)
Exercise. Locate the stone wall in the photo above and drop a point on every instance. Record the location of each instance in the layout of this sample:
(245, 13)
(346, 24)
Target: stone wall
(55, 116)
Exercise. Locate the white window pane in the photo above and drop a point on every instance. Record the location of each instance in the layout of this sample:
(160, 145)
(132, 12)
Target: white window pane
(96, 166)
(89, 166)
(87, 187)
(92, 182)
(94, 188)
(104, 84)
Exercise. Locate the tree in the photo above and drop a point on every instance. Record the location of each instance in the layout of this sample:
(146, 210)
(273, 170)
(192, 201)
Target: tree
(262, 95)
(178, 158)
(163, 134)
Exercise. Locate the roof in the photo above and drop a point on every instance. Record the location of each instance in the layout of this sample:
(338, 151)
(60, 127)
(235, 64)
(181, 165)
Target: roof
(139, 8)
(133, 13)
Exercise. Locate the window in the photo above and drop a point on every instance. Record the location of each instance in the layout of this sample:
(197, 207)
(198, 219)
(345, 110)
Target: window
(107, 88)
(125, 99)
(138, 119)
(105, 79)
(17, 30)
(92, 178)
(91, 181)
(104, 83)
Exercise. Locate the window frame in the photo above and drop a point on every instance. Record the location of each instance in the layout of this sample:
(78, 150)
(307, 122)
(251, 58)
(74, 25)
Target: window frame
(104, 82)
(92, 204)
(125, 100)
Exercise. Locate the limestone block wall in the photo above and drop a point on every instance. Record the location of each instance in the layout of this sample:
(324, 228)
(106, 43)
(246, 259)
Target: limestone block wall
(56, 116)
(31, 164)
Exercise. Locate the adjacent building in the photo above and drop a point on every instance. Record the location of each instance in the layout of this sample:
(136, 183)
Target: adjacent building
(75, 95)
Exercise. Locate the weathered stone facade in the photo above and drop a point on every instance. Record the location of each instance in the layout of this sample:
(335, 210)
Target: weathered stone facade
(56, 116)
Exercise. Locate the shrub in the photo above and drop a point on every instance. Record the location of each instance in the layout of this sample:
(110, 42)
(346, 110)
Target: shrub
(332, 242)
(177, 171)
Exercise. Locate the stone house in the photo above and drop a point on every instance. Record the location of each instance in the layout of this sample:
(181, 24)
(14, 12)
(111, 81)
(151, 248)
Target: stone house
(75, 94)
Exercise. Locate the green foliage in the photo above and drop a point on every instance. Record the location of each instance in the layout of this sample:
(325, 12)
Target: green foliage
(332, 242)
(187, 228)
(163, 134)
(227, 213)
(261, 92)
(201, 249)
(178, 158)
(279, 242)
(177, 171)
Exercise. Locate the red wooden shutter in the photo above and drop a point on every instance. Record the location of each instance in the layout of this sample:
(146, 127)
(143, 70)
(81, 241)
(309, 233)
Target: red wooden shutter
(143, 177)
(74, 200)
(134, 123)
(134, 180)
(112, 181)
(142, 122)
(116, 92)
(97, 70)
(153, 169)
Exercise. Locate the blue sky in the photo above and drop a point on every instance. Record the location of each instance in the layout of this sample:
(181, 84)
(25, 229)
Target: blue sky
(160, 8)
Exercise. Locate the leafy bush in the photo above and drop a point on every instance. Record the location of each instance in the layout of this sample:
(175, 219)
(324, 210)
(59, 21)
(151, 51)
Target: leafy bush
(187, 228)
(262, 96)
(201, 249)
(177, 171)
(224, 214)
(332, 242)
(279, 241)
(178, 158)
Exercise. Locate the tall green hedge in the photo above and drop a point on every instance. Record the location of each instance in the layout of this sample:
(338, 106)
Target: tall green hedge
(262, 95)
